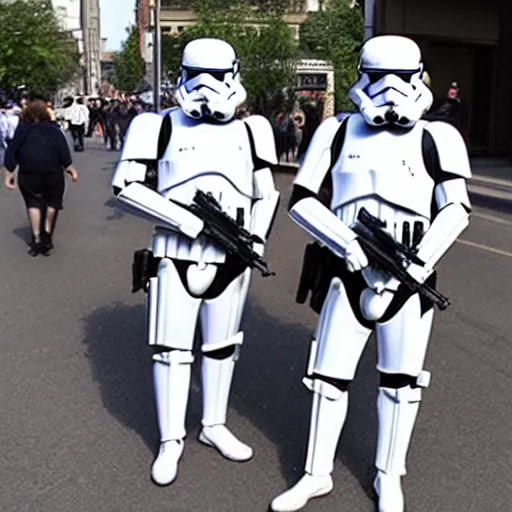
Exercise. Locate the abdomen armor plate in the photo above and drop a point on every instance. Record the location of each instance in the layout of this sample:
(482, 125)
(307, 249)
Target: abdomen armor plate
(211, 158)
(384, 172)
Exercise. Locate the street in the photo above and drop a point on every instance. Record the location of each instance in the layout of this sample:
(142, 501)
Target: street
(78, 430)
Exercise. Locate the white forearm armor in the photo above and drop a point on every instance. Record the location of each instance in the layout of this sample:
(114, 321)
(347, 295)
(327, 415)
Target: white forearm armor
(265, 208)
(141, 149)
(264, 158)
(451, 195)
(323, 225)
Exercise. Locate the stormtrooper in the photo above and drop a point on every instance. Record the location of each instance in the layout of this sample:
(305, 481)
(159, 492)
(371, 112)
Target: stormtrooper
(199, 145)
(411, 175)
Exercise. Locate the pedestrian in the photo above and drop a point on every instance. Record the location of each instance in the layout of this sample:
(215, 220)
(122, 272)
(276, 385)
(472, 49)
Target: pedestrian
(4, 130)
(112, 125)
(78, 117)
(126, 113)
(9, 120)
(40, 154)
(452, 110)
(311, 120)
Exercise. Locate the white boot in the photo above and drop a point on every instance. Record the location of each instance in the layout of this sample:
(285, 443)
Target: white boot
(165, 467)
(397, 410)
(328, 414)
(306, 488)
(217, 375)
(171, 374)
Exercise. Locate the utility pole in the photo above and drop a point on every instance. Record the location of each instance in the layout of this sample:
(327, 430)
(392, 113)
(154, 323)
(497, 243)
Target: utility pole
(157, 53)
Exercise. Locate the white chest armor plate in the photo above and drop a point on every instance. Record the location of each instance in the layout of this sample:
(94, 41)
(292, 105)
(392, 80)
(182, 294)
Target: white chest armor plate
(212, 158)
(384, 172)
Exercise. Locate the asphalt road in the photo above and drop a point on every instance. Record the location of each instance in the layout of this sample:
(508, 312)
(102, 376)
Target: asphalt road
(78, 431)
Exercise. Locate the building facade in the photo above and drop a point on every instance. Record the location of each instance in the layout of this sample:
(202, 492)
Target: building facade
(69, 14)
(177, 14)
(90, 19)
(468, 42)
(82, 19)
(145, 35)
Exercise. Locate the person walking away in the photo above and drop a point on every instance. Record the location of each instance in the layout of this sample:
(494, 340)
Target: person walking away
(94, 107)
(112, 123)
(78, 117)
(4, 127)
(126, 113)
(9, 121)
(40, 153)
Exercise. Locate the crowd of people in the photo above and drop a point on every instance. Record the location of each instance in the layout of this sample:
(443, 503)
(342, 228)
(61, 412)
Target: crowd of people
(108, 118)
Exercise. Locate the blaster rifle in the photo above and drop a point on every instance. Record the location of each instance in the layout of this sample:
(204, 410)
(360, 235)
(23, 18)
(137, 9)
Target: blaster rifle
(386, 254)
(227, 232)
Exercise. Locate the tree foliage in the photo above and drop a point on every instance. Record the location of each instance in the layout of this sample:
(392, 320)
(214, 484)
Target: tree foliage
(35, 52)
(172, 46)
(262, 41)
(336, 34)
(128, 63)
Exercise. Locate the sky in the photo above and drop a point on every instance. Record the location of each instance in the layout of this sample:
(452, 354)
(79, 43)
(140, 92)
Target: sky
(115, 16)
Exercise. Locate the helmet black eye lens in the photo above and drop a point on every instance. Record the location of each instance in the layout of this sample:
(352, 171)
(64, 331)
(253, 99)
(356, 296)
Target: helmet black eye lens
(406, 77)
(218, 75)
(192, 73)
(375, 77)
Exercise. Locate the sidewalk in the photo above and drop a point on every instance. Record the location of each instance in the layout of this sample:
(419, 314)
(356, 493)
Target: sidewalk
(492, 177)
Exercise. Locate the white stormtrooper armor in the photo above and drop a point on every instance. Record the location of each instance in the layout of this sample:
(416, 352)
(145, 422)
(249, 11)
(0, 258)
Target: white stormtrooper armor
(411, 175)
(196, 279)
(390, 88)
(214, 91)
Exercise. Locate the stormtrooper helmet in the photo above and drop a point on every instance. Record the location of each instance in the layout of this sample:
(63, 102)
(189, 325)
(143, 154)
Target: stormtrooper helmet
(390, 89)
(209, 85)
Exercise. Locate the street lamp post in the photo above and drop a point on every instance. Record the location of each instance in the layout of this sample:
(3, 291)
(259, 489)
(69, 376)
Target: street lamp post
(157, 54)
(369, 10)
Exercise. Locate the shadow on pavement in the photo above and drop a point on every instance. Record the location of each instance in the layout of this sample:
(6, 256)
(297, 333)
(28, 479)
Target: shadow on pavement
(268, 390)
(121, 364)
(267, 387)
(23, 233)
(116, 209)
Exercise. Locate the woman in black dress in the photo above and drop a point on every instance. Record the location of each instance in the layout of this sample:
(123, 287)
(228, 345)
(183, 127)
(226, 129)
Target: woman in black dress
(41, 154)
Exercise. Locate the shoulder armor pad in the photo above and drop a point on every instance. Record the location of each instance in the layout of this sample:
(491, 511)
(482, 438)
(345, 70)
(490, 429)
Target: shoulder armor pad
(451, 149)
(262, 139)
(166, 111)
(317, 161)
(142, 138)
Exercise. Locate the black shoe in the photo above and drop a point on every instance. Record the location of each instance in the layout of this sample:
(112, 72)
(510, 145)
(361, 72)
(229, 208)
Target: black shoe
(34, 246)
(34, 250)
(46, 244)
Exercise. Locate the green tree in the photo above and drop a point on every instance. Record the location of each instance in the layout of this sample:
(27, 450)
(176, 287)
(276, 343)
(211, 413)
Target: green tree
(336, 34)
(172, 47)
(35, 52)
(263, 42)
(128, 63)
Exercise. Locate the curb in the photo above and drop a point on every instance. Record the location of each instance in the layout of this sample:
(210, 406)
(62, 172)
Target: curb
(478, 184)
